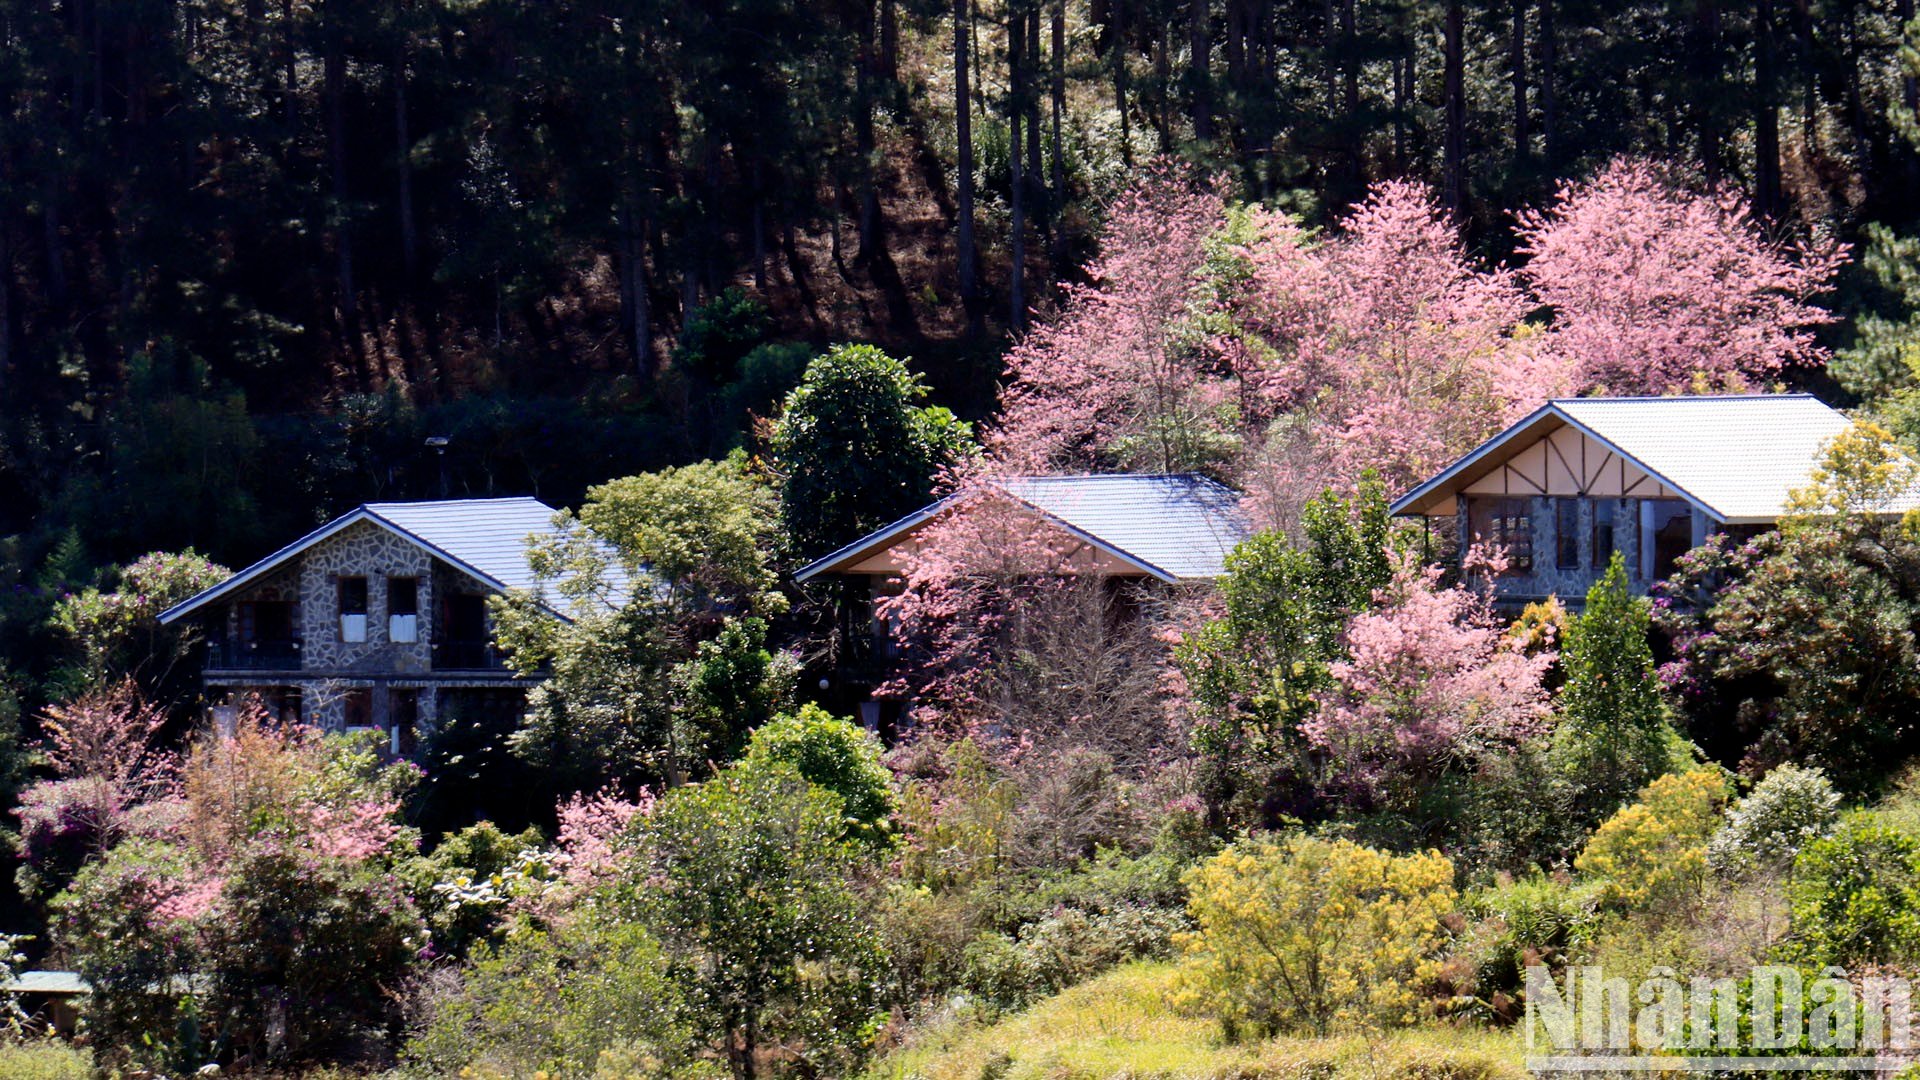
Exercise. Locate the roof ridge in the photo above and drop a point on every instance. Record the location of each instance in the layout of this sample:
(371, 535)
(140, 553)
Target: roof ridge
(1623, 398)
(455, 502)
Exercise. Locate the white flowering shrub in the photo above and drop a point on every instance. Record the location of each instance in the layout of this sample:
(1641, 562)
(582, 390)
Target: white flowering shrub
(1788, 809)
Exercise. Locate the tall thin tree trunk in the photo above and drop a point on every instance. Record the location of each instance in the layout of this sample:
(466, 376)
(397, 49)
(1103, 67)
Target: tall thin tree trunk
(1707, 93)
(1120, 80)
(1549, 86)
(1016, 112)
(967, 256)
(1200, 67)
(1057, 87)
(1455, 166)
(334, 64)
(1036, 172)
(403, 146)
(1766, 116)
(890, 40)
(1399, 114)
(1909, 79)
(865, 76)
(1522, 121)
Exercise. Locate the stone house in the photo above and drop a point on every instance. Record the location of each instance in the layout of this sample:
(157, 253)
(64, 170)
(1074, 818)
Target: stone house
(377, 619)
(1651, 478)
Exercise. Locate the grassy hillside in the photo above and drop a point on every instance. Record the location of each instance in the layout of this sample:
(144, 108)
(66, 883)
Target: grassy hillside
(1120, 1025)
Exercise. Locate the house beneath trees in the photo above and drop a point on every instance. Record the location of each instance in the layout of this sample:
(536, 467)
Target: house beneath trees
(378, 619)
(1142, 528)
(1651, 478)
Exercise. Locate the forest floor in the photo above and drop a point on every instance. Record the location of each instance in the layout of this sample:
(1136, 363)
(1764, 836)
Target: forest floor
(1123, 1025)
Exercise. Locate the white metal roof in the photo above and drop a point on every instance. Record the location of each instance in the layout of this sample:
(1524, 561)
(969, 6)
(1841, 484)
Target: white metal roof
(1736, 457)
(485, 538)
(1168, 527)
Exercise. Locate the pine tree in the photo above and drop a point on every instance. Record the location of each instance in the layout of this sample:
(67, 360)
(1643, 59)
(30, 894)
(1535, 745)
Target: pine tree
(1613, 736)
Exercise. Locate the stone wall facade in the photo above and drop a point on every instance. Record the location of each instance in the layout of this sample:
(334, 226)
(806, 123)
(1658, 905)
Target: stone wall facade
(1547, 577)
(331, 669)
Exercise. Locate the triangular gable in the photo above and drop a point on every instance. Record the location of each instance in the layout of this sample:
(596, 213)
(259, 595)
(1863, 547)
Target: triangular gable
(268, 565)
(869, 554)
(1547, 453)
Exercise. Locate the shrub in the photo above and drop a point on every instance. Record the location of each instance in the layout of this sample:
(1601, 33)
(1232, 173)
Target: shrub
(1653, 852)
(1532, 920)
(554, 1002)
(838, 755)
(1856, 895)
(1313, 934)
(1788, 809)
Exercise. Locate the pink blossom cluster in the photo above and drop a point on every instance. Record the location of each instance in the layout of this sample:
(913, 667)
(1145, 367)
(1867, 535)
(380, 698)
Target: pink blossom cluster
(1432, 683)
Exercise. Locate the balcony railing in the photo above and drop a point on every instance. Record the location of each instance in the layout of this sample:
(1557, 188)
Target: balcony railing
(467, 656)
(253, 655)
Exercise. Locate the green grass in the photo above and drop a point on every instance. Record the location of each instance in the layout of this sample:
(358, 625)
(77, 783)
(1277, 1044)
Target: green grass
(1121, 1026)
(44, 1059)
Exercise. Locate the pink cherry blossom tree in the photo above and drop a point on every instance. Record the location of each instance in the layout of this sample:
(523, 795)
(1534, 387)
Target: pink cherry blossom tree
(1431, 686)
(1118, 377)
(1382, 345)
(1656, 289)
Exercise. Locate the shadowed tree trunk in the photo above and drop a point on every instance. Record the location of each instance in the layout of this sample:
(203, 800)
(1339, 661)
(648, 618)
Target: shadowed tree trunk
(963, 147)
(1766, 116)
(1199, 67)
(1549, 85)
(1522, 133)
(1016, 112)
(1454, 165)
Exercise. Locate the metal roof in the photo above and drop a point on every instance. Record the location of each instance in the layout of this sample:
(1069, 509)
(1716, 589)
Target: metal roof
(485, 538)
(1170, 527)
(47, 982)
(1736, 457)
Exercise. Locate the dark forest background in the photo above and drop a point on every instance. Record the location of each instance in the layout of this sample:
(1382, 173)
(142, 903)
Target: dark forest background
(253, 253)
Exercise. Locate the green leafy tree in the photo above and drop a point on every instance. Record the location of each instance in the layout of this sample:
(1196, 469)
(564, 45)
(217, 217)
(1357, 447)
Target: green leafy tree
(663, 664)
(1258, 671)
(834, 753)
(1803, 644)
(748, 882)
(118, 633)
(855, 449)
(1613, 735)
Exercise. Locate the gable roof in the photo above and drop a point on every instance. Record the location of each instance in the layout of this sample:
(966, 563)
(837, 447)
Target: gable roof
(1736, 458)
(1167, 527)
(484, 538)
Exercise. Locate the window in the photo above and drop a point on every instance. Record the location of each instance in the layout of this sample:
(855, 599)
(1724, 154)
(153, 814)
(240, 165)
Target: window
(1669, 527)
(357, 708)
(403, 718)
(353, 608)
(1506, 524)
(1603, 513)
(1566, 534)
(403, 610)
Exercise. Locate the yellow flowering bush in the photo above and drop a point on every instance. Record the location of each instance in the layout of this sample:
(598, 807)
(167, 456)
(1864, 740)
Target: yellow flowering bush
(1309, 934)
(1654, 850)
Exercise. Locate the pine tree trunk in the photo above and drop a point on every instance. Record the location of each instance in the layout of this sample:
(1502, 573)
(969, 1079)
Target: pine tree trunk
(890, 40)
(963, 138)
(1522, 133)
(1120, 80)
(1016, 112)
(1909, 79)
(334, 66)
(1707, 93)
(1454, 165)
(1057, 198)
(1766, 116)
(1549, 85)
(403, 167)
(864, 148)
(1200, 67)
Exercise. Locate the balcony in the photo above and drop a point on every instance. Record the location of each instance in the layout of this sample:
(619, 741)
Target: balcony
(468, 656)
(253, 656)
